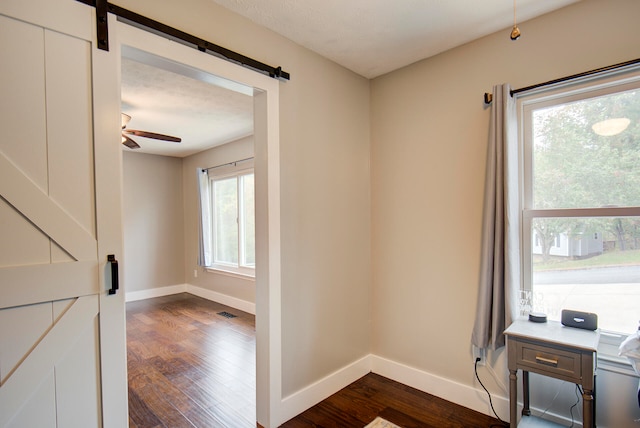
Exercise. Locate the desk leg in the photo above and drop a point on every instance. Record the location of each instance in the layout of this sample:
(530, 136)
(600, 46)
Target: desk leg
(525, 394)
(513, 398)
(588, 404)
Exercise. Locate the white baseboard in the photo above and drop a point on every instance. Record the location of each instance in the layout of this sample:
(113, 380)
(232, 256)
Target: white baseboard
(311, 395)
(234, 302)
(464, 395)
(447, 389)
(155, 292)
(224, 299)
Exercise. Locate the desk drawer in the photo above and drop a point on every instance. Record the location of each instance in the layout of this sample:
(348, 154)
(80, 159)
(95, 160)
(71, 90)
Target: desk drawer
(543, 359)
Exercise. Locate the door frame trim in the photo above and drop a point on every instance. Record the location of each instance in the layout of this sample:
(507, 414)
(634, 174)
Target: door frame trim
(265, 91)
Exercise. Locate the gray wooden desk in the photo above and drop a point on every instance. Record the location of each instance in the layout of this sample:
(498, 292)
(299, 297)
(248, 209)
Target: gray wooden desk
(553, 350)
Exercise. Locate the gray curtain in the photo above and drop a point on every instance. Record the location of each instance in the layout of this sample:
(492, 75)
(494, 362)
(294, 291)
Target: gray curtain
(499, 282)
(204, 229)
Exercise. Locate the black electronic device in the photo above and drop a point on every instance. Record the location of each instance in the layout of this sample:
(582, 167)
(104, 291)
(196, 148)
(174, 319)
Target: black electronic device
(577, 319)
(537, 317)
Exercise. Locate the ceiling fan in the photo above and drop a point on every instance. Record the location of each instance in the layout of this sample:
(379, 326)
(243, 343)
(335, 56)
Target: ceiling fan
(125, 118)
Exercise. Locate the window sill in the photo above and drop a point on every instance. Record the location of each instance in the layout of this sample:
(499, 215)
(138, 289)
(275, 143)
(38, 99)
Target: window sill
(616, 364)
(610, 361)
(225, 272)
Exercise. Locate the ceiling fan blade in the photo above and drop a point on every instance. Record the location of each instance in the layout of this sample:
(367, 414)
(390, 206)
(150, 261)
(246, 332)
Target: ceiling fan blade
(153, 135)
(129, 142)
(124, 119)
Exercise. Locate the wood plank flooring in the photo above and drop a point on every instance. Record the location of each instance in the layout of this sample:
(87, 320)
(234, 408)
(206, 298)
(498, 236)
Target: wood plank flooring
(374, 395)
(190, 367)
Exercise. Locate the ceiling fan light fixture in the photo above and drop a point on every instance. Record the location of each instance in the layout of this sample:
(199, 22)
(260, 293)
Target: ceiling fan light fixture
(130, 143)
(610, 127)
(124, 120)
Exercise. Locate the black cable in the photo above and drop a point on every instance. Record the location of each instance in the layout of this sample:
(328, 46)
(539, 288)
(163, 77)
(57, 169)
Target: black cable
(475, 369)
(576, 403)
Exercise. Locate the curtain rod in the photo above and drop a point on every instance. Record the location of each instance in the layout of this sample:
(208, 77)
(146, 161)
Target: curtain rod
(488, 97)
(140, 21)
(228, 163)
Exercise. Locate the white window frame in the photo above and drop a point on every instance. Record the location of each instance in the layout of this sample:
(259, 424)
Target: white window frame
(612, 82)
(241, 269)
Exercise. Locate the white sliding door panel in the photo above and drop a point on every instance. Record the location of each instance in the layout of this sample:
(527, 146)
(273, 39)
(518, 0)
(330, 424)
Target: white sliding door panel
(69, 130)
(62, 336)
(78, 381)
(21, 243)
(68, 17)
(45, 213)
(16, 343)
(40, 410)
(23, 119)
(24, 285)
(51, 351)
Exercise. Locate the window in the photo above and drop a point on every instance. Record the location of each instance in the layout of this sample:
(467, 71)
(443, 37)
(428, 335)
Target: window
(231, 220)
(581, 202)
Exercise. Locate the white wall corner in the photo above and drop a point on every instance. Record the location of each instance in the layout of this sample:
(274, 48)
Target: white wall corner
(311, 395)
(464, 395)
(155, 292)
(234, 302)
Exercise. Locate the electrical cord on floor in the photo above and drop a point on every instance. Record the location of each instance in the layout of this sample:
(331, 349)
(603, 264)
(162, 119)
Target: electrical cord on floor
(475, 369)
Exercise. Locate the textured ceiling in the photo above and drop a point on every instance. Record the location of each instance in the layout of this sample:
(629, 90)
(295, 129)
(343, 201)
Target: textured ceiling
(369, 37)
(374, 37)
(202, 114)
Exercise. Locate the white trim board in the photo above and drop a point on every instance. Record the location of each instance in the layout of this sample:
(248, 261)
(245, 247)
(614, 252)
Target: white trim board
(311, 395)
(234, 302)
(150, 293)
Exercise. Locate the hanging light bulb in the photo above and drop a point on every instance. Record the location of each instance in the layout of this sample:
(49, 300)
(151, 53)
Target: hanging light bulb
(515, 32)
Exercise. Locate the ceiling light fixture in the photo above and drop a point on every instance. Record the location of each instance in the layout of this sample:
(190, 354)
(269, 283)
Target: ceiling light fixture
(610, 127)
(515, 32)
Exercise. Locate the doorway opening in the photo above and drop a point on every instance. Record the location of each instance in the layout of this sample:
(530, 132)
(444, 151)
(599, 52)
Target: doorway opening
(262, 91)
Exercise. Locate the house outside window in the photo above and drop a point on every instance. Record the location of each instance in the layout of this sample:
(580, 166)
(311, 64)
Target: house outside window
(580, 183)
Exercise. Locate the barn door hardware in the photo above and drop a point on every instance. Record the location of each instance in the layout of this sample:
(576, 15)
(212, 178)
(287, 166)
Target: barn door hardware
(115, 281)
(101, 24)
(103, 7)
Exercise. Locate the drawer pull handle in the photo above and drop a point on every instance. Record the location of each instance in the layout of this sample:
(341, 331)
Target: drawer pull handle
(547, 361)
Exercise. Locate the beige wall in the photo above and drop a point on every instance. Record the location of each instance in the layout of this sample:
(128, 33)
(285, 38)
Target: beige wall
(239, 288)
(153, 219)
(382, 186)
(325, 205)
(429, 137)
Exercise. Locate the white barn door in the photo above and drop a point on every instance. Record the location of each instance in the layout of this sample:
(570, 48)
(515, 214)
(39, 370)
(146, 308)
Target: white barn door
(62, 336)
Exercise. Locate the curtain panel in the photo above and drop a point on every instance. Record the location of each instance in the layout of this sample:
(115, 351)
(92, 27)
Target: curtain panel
(499, 281)
(205, 256)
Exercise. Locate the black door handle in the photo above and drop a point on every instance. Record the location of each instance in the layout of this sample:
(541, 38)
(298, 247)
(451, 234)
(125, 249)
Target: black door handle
(115, 282)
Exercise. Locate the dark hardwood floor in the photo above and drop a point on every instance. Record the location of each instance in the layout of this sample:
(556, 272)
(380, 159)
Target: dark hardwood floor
(191, 367)
(374, 395)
